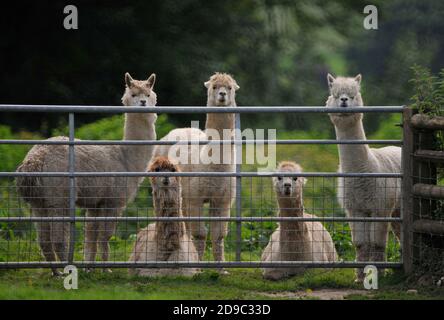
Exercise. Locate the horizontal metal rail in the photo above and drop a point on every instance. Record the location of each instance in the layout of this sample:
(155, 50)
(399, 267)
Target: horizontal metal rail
(194, 142)
(202, 218)
(195, 109)
(203, 174)
(202, 264)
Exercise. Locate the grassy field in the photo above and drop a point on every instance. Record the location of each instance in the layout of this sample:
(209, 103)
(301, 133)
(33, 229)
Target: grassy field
(240, 284)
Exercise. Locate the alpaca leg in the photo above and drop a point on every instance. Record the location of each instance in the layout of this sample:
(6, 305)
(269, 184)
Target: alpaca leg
(60, 235)
(198, 230)
(360, 238)
(219, 229)
(378, 241)
(91, 233)
(44, 238)
(90, 251)
(106, 230)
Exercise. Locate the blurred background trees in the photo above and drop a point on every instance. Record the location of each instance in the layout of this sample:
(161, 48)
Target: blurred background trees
(279, 52)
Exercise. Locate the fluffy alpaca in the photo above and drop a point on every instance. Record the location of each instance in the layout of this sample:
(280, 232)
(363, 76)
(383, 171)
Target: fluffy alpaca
(219, 192)
(165, 241)
(100, 196)
(364, 197)
(295, 240)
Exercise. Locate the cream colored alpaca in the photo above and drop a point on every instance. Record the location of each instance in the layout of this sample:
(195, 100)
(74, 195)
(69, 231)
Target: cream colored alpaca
(100, 196)
(219, 192)
(295, 240)
(364, 197)
(165, 241)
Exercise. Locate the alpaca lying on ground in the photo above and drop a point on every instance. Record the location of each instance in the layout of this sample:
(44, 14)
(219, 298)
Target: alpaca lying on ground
(220, 191)
(295, 240)
(364, 197)
(165, 241)
(100, 196)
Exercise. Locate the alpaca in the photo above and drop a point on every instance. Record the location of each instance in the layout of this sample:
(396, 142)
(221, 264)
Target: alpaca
(218, 192)
(364, 197)
(100, 196)
(295, 240)
(165, 241)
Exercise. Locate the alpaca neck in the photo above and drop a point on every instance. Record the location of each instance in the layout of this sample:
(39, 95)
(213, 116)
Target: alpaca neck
(221, 122)
(138, 127)
(352, 157)
(167, 203)
(291, 207)
(292, 233)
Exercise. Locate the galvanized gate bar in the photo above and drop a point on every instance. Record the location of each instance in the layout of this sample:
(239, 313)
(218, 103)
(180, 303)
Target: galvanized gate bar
(195, 142)
(238, 187)
(202, 264)
(72, 190)
(193, 109)
(203, 174)
(237, 219)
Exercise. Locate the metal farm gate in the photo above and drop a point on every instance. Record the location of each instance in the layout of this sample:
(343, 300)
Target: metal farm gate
(253, 216)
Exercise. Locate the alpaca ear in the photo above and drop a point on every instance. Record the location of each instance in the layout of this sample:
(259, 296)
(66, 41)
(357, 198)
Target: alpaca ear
(330, 80)
(128, 79)
(236, 86)
(151, 80)
(304, 181)
(207, 84)
(358, 78)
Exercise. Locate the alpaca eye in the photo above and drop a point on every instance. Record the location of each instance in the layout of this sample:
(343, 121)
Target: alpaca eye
(148, 95)
(352, 98)
(229, 88)
(279, 178)
(295, 178)
(134, 95)
(214, 87)
(157, 169)
(173, 170)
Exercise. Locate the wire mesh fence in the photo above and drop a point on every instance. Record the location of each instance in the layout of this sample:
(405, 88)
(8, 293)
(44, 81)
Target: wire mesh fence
(103, 222)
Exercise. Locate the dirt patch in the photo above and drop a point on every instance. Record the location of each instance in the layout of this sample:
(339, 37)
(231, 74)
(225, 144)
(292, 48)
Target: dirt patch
(322, 294)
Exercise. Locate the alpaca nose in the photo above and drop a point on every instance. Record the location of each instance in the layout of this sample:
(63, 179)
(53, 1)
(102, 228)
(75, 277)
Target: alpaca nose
(166, 181)
(287, 185)
(344, 99)
(223, 94)
(143, 102)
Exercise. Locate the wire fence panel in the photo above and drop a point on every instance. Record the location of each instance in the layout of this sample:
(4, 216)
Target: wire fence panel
(269, 219)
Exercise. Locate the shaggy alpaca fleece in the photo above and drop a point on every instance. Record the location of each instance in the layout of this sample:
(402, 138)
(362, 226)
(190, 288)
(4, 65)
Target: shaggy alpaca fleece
(295, 240)
(364, 197)
(100, 196)
(218, 192)
(165, 241)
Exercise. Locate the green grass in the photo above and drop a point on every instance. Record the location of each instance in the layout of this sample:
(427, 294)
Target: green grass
(240, 284)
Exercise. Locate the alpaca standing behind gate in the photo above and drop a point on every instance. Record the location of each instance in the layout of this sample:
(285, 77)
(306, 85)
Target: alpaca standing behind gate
(295, 240)
(219, 192)
(364, 197)
(100, 196)
(165, 240)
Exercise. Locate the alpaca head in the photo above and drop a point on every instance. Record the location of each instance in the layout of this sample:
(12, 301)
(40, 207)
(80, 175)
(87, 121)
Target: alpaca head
(163, 164)
(288, 186)
(139, 92)
(221, 90)
(344, 93)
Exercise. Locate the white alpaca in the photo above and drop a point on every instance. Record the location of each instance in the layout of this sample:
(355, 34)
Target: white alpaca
(364, 197)
(100, 196)
(165, 241)
(220, 191)
(295, 240)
